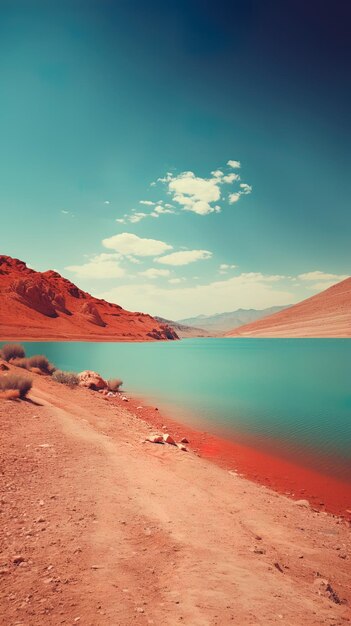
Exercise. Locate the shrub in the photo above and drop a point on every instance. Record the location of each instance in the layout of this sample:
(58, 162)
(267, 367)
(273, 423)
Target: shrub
(12, 351)
(41, 362)
(114, 384)
(9, 394)
(15, 381)
(20, 362)
(66, 378)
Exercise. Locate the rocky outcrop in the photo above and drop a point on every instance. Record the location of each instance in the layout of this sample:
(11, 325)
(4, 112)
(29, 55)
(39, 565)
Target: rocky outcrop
(90, 312)
(36, 295)
(92, 380)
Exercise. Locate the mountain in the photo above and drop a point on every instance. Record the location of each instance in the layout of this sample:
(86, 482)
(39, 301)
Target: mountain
(327, 314)
(222, 322)
(44, 305)
(183, 331)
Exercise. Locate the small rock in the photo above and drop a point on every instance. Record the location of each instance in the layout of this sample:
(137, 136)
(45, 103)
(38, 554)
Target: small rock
(303, 503)
(155, 439)
(18, 559)
(125, 399)
(139, 407)
(278, 567)
(184, 440)
(181, 447)
(168, 439)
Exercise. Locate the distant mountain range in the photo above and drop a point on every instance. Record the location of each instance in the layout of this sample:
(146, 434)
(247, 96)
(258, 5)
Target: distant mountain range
(222, 322)
(182, 330)
(327, 314)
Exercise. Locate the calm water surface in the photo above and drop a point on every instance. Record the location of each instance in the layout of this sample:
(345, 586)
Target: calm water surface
(290, 396)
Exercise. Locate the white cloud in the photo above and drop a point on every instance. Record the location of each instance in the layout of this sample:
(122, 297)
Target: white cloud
(245, 189)
(147, 202)
(194, 193)
(234, 164)
(217, 173)
(121, 220)
(128, 243)
(184, 257)
(224, 267)
(153, 272)
(230, 178)
(163, 209)
(137, 217)
(107, 202)
(318, 275)
(233, 197)
(250, 290)
(99, 266)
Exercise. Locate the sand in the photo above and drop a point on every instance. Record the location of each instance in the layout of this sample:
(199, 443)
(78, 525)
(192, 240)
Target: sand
(100, 528)
(327, 314)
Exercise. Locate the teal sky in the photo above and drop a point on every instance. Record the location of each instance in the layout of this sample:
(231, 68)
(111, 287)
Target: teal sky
(242, 108)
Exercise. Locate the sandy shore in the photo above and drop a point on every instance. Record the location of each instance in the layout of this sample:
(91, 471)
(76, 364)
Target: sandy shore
(99, 528)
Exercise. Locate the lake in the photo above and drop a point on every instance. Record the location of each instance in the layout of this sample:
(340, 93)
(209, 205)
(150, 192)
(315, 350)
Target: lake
(291, 397)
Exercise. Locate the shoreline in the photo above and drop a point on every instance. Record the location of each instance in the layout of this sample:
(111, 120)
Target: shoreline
(286, 477)
(101, 527)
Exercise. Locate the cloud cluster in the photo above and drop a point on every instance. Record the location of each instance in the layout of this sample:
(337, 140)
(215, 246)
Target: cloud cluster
(193, 193)
(201, 195)
(184, 257)
(130, 247)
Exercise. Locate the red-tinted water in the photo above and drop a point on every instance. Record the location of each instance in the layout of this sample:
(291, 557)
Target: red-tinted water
(285, 476)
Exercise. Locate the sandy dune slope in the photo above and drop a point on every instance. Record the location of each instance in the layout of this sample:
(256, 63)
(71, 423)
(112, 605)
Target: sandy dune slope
(327, 314)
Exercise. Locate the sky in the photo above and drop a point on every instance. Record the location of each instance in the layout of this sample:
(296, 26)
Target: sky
(179, 158)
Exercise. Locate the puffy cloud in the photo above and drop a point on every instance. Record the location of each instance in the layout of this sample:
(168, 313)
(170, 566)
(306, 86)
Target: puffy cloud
(175, 281)
(128, 243)
(233, 197)
(217, 173)
(184, 257)
(230, 178)
(153, 272)
(194, 193)
(234, 164)
(318, 275)
(147, 202)
(99, 266)
(163, 209)
(107, 202)
(224, 267)
(137, 217)
(245, 189)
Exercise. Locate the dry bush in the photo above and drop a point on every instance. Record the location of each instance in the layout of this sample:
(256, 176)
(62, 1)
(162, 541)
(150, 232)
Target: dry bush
(20, 362)
(15, 381)
(66, 378)
(114, 384)
(12, 351)
(9, 394)
(41, 362)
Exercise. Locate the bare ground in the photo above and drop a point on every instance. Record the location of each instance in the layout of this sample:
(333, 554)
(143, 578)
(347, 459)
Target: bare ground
(99, 528)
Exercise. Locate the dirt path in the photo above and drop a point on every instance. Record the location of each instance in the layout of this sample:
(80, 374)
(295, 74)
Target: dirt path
(113, 531)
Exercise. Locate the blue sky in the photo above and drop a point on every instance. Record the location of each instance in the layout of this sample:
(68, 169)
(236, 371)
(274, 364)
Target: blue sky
(235, 114)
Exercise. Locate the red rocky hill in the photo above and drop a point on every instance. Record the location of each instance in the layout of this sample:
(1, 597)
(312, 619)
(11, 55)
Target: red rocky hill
(46, 306)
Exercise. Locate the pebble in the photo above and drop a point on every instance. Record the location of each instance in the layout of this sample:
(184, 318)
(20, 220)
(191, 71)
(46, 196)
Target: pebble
(18, 559)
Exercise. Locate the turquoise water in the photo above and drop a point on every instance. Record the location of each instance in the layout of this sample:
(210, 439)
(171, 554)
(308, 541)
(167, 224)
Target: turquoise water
(292, 396)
